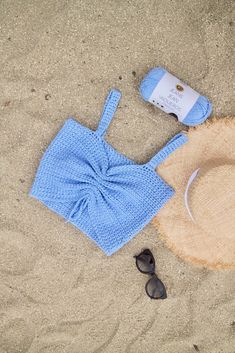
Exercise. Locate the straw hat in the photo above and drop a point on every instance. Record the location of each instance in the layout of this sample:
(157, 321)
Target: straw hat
(198, 223)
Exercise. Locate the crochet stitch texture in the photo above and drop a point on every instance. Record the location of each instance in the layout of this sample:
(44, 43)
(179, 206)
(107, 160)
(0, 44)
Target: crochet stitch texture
(100, 191)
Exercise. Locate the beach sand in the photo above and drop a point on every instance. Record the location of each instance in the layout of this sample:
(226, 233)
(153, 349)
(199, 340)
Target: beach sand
(58, 292)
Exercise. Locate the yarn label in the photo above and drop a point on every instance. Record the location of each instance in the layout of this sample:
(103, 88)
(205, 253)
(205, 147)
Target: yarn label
(173, 96)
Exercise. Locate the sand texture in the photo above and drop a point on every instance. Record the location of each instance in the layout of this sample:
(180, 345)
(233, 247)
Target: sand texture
(58, 292)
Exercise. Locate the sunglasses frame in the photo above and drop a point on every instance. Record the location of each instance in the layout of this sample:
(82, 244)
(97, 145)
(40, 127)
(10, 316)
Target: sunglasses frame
(145, 252)
(152, 273)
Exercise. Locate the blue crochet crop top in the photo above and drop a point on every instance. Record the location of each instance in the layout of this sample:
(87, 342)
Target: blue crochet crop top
(100, 191)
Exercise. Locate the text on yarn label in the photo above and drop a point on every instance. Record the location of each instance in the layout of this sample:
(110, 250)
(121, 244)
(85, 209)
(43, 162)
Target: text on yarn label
(173, 96)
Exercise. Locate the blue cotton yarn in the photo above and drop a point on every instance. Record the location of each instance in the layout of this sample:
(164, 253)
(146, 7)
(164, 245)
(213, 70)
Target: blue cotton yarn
(199, 112)
(100, 191)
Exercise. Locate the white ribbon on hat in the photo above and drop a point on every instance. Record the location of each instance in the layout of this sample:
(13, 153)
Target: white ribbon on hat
(192, 177)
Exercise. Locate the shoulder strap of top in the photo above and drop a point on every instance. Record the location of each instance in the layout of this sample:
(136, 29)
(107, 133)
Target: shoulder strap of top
(110, 107)
(177, 141)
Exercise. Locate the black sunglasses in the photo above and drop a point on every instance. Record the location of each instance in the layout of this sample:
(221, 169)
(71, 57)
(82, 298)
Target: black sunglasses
(145, 263)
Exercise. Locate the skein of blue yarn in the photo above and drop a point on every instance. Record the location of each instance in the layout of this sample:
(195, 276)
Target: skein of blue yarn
(199, 112)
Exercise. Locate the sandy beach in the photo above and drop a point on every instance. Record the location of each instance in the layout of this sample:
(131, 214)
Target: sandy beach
(58, 292)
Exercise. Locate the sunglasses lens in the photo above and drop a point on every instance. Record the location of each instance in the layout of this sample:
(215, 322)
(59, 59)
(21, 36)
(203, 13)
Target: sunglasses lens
(155, 288)
(145, 262)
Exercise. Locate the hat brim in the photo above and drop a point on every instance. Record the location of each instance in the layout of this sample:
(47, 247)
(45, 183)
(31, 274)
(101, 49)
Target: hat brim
(212, 141)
